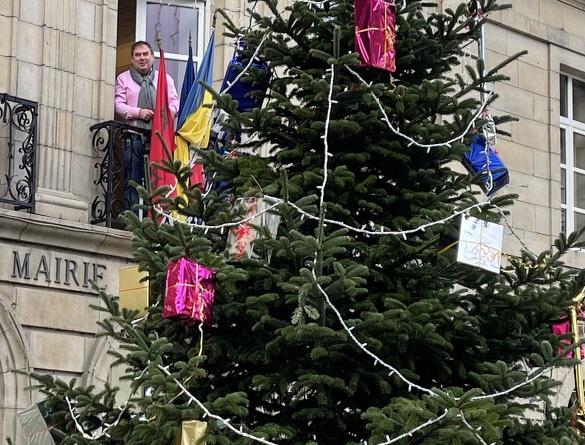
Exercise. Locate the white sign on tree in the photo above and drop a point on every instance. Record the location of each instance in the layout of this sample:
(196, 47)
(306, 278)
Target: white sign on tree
(480, 243)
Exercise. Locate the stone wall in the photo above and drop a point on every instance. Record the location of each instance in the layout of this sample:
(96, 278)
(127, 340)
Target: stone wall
(552, 32)
(62, 54)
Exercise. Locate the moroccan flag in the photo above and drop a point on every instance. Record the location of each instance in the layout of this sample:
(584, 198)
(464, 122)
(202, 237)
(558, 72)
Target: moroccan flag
(162, 124)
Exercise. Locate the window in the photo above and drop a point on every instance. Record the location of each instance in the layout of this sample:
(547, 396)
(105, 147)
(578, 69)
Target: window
(572, 153)
(174, 21)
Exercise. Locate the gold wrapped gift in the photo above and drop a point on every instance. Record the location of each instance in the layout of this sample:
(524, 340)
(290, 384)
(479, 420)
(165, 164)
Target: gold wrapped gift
(192, 432)
(133, 293)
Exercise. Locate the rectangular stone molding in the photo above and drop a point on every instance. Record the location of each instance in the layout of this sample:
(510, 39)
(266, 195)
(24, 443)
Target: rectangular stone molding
(55, 269)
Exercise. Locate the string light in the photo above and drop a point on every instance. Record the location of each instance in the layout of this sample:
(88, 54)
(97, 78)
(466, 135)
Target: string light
(414, 430)
(326, 135)
(475, 431)
(250, 62)
(104, 432)
(97, 434)
(394, 130)
(226, 422)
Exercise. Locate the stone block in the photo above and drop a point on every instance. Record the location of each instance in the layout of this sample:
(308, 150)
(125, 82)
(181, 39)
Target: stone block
(533, 79)
(542, 164)
(67, 311)
(29, 43)
(109, 74)
(538, 29)
(32, 11)
(576, 43)
(537, 242)
(82, 168)
(573, 22)
(6, 8)
(85, 19)
(511, 244)
(531, 133)
(537, 51)
(542, 109)
(5, 70)
(82, 135)
(555, 167)
(512, 20)
(542, 220)
(111, 27)
(99, 23)
(61, 205)
(89, 58)
(82, 96)
(575, 259)
(536, 190)
(28, 81)
(497, 38)
(510, 70)
(518, 158)
(56, 350)
(557, 36)
(522, 216)
(6, 40)
(529, 8)
(106, 110)
(515, 100)
(551, 13)
(555, 139)
(555, 222)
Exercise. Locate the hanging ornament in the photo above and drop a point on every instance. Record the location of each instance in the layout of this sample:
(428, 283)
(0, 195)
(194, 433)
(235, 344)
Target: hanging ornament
(240, 239)
(133, 292)
(247, 93)
(375, 33)
(482, 159)
(489, 130)
(36, 425)
(192, 432)
(480, 244)
(190, 291)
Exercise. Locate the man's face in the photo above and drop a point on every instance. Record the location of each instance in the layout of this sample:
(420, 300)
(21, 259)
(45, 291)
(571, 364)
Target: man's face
(142, 59)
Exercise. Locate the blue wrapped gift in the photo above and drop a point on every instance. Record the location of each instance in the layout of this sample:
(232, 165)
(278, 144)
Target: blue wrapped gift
(476, 163)
(242, 90)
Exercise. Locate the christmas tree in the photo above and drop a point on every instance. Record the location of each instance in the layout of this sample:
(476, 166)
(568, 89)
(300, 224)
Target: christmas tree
(353, 323)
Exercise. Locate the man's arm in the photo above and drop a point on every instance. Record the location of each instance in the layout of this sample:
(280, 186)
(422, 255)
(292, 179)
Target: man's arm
(173, 96)
(121, 105)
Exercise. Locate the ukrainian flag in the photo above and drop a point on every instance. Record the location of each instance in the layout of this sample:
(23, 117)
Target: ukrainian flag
(194, 122)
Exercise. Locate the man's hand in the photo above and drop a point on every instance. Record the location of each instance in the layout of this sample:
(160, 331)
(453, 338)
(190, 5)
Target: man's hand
(145, 114)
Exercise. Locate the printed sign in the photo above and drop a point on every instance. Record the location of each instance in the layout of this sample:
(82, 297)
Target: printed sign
(480, 244)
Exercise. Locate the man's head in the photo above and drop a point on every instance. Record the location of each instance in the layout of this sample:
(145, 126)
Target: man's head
(142, 56)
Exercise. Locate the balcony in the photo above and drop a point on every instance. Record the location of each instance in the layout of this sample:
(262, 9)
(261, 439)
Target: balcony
(18, 149)
(109, 140)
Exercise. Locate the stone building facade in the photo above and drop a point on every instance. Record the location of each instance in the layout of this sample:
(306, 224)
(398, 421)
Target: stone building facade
(63, 56)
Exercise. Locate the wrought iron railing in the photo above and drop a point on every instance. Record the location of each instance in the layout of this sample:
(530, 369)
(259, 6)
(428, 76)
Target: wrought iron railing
(18, 147)
(113, 141)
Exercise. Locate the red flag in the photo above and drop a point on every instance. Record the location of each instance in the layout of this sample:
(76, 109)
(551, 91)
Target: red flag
(163, 124)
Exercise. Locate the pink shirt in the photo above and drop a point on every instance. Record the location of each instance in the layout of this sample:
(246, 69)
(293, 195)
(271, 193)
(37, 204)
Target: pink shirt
(127, 91)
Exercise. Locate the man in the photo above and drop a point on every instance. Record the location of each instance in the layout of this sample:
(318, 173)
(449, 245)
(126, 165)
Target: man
(134, 104)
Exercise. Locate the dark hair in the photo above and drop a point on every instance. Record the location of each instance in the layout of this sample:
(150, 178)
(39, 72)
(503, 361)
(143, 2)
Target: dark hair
(138, 43)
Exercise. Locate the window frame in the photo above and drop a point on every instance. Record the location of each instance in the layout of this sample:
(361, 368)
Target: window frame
(202, 28)
(570, 127)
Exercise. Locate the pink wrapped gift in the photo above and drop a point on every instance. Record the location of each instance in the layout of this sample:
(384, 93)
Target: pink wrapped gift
(375, 32)
(190, 291)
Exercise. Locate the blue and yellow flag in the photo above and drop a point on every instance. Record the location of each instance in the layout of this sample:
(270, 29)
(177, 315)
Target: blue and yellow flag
(188, 79)
(194, 124)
